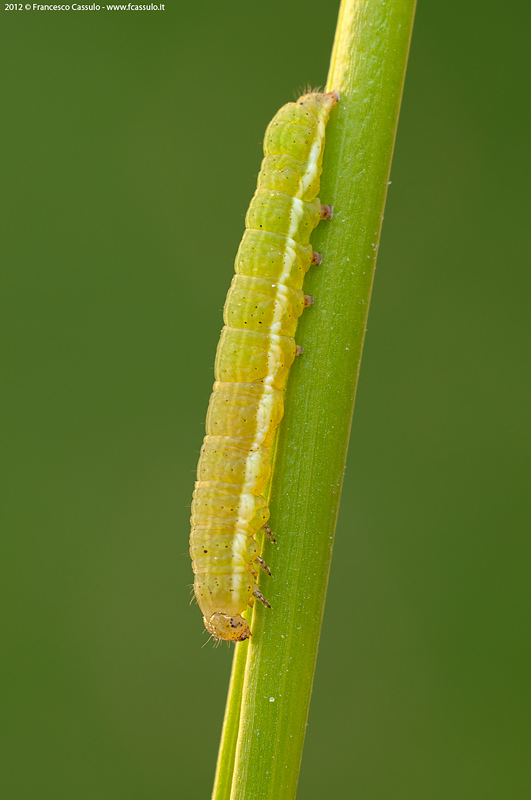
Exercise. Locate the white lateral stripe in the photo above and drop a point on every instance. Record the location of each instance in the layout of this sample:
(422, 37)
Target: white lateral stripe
(313, 159)
(296, 212)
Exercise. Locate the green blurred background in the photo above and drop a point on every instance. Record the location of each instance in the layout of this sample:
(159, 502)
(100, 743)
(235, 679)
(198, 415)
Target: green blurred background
(130, 147)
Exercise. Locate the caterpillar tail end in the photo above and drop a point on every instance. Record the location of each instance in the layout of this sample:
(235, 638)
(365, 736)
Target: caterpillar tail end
(329, 99)
(230, 629)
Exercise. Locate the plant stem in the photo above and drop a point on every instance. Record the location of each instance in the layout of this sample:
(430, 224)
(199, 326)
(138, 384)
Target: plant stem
(231, 723)
(367, 67)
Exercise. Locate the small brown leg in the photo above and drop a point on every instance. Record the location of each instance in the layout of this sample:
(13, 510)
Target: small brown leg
(298, 350)
(263, 565)
(269, 533)
(308, 300)
(327, 212)
(317, 258)
(259, 596)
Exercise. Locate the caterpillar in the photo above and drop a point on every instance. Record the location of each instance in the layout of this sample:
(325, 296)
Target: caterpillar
(254, 355)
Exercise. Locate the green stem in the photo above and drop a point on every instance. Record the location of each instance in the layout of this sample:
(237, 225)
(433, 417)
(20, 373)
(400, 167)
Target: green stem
(231, 724)
(367, 67)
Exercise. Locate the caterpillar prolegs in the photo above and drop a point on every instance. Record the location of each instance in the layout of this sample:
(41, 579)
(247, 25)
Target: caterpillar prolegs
(255, 352)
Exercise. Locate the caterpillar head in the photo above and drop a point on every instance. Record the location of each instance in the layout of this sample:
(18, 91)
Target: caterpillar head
(232, 629)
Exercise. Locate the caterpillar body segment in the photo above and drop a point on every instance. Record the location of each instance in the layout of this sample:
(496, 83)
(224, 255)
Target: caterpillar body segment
(254, 355)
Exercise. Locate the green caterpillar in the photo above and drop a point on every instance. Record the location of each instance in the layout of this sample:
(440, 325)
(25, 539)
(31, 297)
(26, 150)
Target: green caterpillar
(255, 352)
